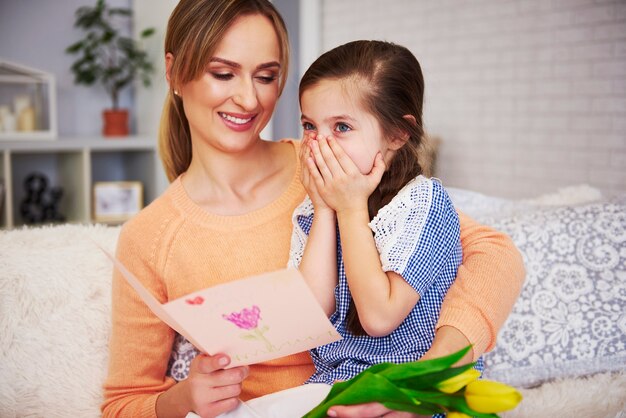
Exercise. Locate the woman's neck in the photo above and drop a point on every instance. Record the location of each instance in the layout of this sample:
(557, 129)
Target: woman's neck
(239, 182)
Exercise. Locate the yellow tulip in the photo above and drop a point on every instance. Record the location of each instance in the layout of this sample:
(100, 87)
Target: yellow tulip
(456, 383)
(487, 396)
(456, 415)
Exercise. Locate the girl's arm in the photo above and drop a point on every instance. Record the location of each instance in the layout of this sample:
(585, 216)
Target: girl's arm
(382, 299)
(487, 286)
(319, 259)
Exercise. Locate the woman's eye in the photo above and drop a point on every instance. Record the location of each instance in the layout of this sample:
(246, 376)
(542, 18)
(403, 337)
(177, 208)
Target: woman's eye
(222, 76)
(268, 79)
(342, 127)
(308, 126)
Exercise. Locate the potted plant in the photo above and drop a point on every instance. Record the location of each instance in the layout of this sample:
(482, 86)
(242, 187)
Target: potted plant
(107, 57)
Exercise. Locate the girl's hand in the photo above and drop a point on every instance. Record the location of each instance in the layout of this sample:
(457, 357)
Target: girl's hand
(338, 180)
(209, 390)
(305, 176)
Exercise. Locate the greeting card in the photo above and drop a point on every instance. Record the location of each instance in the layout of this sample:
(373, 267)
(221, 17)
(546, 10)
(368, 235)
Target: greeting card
(252, 320)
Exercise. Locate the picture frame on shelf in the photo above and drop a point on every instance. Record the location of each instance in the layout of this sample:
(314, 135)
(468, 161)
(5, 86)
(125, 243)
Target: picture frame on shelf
(116, 201)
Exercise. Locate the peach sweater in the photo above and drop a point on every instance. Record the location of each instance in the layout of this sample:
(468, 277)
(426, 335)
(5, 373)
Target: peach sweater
(175, 248)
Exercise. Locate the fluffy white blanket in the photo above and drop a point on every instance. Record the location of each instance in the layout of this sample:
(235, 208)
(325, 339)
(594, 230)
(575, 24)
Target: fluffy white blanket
(55, 290)
(54, 328)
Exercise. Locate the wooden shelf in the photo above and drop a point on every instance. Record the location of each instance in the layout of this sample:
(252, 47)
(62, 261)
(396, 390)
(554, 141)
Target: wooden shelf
(75, 164)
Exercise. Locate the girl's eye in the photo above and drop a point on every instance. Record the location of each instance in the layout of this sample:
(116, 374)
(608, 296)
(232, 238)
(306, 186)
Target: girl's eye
(342, 127)
(308, 126)
(223, 76)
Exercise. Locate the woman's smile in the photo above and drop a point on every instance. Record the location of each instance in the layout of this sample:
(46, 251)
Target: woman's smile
(237, 121)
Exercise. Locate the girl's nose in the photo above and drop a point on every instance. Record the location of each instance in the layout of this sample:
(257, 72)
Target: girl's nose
(245, 96)
(325, 131)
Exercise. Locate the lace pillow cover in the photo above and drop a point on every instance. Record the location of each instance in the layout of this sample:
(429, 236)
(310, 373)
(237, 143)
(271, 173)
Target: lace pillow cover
(570, 319)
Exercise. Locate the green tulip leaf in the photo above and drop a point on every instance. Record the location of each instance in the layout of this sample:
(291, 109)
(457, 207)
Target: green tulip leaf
(406, 387)
(403, 371)
(365, 387)
(430, 379)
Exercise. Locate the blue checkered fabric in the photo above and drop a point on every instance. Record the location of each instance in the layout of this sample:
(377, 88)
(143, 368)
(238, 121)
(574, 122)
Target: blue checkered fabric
(429, 266)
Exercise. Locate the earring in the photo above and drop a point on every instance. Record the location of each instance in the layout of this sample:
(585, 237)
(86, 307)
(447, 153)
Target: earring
(176, 93)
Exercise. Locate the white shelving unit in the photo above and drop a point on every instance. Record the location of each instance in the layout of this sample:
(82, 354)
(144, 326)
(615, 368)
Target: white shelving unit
(38, 88)
(75, 164)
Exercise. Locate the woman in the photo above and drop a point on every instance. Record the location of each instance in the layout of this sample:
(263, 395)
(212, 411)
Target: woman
(227, 215)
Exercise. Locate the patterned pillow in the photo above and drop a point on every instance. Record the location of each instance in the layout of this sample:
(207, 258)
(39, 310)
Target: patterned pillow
(570, 319)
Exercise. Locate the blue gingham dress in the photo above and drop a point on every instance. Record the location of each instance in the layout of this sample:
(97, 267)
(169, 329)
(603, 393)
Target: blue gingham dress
(417, 236)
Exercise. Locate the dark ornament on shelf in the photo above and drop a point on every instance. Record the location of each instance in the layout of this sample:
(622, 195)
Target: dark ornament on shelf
(40, 204)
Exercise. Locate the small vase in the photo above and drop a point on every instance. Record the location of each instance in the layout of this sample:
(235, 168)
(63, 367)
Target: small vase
(26, 119)
(115, 122)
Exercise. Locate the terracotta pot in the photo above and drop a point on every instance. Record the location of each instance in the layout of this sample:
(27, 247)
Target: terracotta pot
(115, 122)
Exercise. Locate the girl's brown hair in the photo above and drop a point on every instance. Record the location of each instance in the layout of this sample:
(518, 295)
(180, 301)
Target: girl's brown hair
(194, 30)
(391, 87)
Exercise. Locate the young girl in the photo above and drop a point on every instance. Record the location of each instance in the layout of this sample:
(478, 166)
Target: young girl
(377, 242)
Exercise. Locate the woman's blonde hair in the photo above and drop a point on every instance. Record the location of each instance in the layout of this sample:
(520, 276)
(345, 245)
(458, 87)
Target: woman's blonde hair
(194, 30)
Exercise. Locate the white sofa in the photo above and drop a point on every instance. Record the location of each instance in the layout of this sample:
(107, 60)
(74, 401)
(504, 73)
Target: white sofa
(55, 307)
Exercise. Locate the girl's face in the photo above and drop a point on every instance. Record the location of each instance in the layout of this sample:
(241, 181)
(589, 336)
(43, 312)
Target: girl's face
(332, 107)
(230, 104)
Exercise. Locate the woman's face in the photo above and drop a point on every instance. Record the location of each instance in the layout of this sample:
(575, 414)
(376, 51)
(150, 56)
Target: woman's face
(332, 107)
(230, 104)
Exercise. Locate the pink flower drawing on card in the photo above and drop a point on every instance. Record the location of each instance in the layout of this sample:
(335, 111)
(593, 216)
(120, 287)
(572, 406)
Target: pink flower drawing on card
(248, 319)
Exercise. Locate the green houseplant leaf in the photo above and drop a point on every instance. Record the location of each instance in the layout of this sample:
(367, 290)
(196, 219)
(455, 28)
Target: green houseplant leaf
(105, 56)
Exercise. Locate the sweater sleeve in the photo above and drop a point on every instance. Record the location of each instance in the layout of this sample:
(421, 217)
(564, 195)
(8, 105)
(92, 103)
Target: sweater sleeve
(487, 285)
(140, 343)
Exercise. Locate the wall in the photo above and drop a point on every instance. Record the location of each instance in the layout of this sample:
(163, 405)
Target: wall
(35, 33)
(286, 119)
(528, 96)
(149, 102)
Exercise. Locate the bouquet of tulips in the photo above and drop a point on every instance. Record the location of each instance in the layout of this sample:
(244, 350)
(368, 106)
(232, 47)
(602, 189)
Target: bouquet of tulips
(424, 387)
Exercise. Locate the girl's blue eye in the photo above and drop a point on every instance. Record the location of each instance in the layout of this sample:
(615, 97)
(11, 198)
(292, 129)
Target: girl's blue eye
(342, 127)
(308, 126)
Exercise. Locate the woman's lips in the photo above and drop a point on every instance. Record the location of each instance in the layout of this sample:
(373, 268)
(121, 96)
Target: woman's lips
(237, 122)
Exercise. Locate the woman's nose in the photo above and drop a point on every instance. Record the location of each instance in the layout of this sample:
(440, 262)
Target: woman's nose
(245, 95)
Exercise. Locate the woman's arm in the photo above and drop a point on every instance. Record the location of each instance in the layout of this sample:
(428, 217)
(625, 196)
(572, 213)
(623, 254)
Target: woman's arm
(141, 344)
(209, 390)
(487, 285)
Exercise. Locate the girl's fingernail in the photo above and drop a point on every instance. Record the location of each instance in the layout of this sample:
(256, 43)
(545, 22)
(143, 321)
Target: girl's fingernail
(331, 413)
(223, 361)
